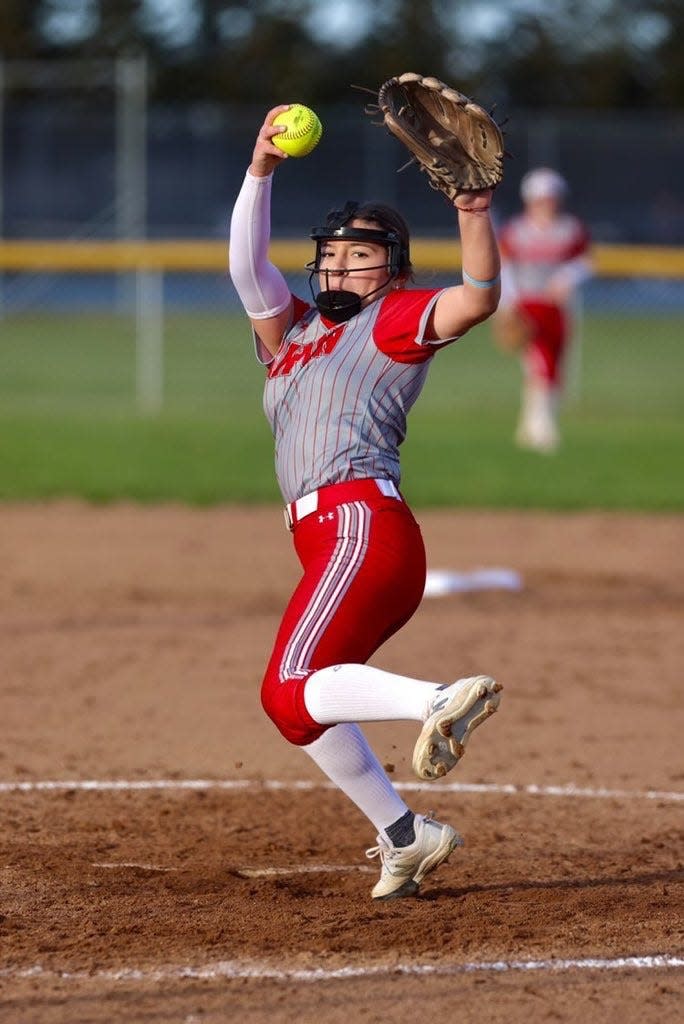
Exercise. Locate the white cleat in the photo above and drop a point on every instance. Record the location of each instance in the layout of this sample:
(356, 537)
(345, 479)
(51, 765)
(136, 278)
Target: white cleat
(455, 712)
(405, 867)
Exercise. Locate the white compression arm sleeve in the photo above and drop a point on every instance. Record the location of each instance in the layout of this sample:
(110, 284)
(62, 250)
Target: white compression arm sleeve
(262, 288)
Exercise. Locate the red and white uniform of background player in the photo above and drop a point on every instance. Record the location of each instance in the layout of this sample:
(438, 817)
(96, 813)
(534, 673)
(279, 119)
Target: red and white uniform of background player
(544, 253)
(337, 396)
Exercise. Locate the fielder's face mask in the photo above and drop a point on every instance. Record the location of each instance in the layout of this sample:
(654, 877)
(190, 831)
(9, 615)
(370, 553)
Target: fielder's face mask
(335, 303)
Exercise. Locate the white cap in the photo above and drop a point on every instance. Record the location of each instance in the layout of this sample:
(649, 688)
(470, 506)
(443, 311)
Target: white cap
(543, 183)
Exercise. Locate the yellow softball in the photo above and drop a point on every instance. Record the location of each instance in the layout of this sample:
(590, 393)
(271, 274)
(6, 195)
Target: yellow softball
(303, 133)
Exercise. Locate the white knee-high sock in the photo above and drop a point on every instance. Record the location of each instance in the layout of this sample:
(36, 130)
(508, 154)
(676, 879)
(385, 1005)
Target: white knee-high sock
(346, 758)
(360, 693)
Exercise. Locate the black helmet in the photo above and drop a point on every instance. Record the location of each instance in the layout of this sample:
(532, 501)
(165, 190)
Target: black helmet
(339, 305)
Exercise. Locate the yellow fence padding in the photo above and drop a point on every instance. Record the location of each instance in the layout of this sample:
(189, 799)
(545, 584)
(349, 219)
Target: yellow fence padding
(211, 256)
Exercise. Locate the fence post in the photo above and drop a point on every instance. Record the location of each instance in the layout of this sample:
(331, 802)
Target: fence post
(576, 342)
(149, 341)
(131, 157)
(2, 179)
(131, 147)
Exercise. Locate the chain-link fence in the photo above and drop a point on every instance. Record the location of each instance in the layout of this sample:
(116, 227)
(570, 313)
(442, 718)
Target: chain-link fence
(93, 162)
(83, 155)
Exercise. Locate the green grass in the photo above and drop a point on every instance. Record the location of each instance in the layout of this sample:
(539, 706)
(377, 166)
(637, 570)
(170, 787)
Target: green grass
(69, 423)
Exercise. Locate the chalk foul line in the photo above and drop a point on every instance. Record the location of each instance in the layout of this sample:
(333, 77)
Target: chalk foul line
(506, 789)
(246, 872)
(126, 864)
(236, 969)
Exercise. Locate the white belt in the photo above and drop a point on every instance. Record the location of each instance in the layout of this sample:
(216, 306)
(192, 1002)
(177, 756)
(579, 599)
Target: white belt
(297, 510)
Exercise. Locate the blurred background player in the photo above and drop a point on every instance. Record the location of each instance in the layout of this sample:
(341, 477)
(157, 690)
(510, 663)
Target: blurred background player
(545, 257)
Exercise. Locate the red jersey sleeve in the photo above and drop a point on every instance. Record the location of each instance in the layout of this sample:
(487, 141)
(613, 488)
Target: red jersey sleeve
(299, 308)
(581, 242)
(400, 328)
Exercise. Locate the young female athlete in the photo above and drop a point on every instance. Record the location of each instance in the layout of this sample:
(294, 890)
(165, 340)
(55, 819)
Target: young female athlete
(545, 255)
(342, 372)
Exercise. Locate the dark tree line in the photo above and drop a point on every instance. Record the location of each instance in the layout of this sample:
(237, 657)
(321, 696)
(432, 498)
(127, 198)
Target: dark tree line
(610, 54)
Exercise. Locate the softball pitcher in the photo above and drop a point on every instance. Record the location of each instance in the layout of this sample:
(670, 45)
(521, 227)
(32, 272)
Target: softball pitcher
(342, 372)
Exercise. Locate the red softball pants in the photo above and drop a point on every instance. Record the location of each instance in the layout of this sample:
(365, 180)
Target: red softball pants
(363, 562)
(544, 353)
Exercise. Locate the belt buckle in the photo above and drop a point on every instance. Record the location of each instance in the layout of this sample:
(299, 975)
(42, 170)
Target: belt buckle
(289, 525)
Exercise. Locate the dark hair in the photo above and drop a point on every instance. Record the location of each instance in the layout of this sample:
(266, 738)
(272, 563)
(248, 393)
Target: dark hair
(386, 216)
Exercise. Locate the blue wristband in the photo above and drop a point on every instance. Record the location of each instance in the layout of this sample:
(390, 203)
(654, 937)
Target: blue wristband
(480, 284)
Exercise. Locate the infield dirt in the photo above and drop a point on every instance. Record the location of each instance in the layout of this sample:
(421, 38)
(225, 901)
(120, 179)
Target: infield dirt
(133, 642)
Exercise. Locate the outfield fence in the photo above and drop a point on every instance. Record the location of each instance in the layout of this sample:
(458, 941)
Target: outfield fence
(85, 151)
(428, 254)
(142, 282)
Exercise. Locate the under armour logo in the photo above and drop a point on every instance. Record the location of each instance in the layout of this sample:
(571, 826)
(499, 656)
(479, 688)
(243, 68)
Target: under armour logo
(327, 515)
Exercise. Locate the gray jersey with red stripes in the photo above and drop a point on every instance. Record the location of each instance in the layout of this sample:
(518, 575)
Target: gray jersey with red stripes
(536, 252)
(337, 395)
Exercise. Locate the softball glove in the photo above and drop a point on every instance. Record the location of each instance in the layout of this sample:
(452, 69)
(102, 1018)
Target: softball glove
(453, 140)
